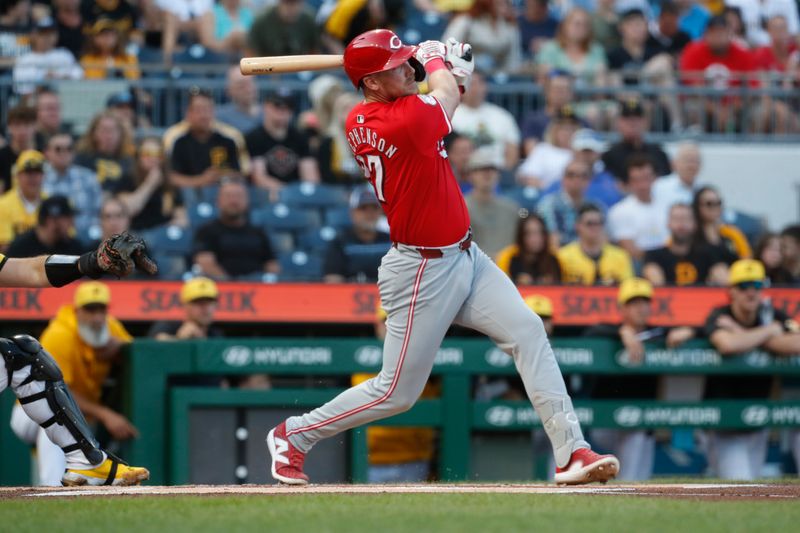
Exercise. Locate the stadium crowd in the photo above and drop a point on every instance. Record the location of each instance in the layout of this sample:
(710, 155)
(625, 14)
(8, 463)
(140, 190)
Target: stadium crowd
(266, 189)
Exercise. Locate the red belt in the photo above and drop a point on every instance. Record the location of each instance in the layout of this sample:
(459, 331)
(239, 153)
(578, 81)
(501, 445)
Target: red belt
(436, 253)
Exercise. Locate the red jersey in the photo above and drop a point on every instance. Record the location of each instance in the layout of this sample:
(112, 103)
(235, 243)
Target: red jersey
(400, 147)
(766, 59)
(719, 72)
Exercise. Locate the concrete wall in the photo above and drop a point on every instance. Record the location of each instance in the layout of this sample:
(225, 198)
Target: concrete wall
(759, 179)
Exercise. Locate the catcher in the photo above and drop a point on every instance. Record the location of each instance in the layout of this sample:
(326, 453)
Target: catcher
(34, 376)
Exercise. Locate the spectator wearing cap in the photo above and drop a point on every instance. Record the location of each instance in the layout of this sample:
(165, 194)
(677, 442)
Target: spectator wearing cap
(52, 234)
(545, 165)
(487, 123)
(199, 297)
(679, 186)
(355, 254)
(48, 117)
(281, 153)
(665, 31)
(105, 56)
(681, 262)
(557, 94)
(20, 205)
(747, 323)
(201, 149)
(69, 22)
(285, 28)
(79, 184)
(560, 209)
(529, 260)
(44, 61)
(494, 218)
(603, 188)
(634, 299)
(591, 260)
(87, 342)
(224, 27)
(638, 223)
(536, 26)
(230, 247)
(631, 125)
(242, 111)
(491, 28)
(21, 123)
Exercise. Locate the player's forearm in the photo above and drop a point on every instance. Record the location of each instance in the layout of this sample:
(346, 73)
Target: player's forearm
(444, 87)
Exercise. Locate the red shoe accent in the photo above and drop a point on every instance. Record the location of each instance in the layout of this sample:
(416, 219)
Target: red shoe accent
(586, 466)
(287, 461)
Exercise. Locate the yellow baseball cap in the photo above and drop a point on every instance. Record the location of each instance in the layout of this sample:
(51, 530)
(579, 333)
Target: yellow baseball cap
(381, 314)
(198, 288)
(634, 288)
(745, 270)
(29, 160)
(92, 292)
(541, 305)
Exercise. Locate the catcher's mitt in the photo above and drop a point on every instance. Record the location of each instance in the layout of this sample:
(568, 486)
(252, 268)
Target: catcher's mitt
(117, 255)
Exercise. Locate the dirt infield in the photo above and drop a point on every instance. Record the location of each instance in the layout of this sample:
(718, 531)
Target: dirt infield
(692, 491)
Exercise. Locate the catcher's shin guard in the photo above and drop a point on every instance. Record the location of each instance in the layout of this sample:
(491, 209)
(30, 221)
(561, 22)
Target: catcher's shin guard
(23, 351)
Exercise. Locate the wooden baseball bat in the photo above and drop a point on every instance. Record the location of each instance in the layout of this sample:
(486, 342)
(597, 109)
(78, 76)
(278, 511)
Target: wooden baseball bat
(284, 64)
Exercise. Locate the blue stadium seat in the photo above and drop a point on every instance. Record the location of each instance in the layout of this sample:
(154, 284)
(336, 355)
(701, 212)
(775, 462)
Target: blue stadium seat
(169, 240)
(281, 217)
(338, 218)
(300, 266)
(200, 213)
(281, 241)
(311, 196)
(170, 267)
(526, 197)
(317, 240)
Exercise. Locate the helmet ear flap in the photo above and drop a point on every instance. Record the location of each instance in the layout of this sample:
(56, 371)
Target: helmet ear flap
(419, 70)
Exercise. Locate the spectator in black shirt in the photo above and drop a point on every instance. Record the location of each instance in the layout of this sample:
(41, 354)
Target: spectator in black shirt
(106, 150)
(202, 150)
(355, 255)
(281, 153)
(631, 125)
(637, 446)
(52, 233)
(790, 253)
(231, 247)
(199, 297)
(69, 21)
(665, 32)
(21, 123)
(636, 58)
(151, 200)
(681, 263)
(747, 323)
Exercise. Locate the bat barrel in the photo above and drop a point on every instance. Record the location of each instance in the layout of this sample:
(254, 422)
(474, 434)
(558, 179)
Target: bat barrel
(284, 64)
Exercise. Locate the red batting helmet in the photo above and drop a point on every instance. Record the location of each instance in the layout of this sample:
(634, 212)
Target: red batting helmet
(376, 51)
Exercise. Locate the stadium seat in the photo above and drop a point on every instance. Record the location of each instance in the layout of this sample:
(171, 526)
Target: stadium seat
(317, 240)
(200, 213)
(300, 266)
(281, 241)
(751, 226)
(170, 267)
(281, 217)
(309, 195)
(526, 197)
(338, 218)
(169, 240)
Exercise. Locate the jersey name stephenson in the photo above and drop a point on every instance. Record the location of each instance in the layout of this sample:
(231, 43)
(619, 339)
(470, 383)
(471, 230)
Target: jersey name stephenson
(400, 147)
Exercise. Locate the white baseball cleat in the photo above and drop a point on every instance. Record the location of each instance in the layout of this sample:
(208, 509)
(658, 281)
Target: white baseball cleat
(586, 466)
(287, 461)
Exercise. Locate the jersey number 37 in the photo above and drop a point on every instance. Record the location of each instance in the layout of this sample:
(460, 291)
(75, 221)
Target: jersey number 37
(373, 167)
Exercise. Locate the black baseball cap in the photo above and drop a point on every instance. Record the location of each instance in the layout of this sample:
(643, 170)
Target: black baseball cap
(566, 112)
(281, 97)
(55, 206)
(632, 107)
(717, 21)
(45, 24)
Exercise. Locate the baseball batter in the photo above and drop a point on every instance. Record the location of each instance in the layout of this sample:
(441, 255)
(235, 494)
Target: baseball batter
(34, 376)
(433, 275)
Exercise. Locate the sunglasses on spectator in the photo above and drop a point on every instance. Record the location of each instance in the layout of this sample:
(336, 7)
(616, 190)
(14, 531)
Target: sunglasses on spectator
(757, 285)
(592, 223)
(61, 148)
(711, 203)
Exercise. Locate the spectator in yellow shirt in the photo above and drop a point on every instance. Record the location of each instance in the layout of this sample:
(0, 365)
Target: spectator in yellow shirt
(19, 207)
(591, 260)
(85, 342)
(105, 56)
(398, 454)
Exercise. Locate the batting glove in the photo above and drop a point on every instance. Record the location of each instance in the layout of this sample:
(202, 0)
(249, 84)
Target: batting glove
(460, 61)
(429, 50)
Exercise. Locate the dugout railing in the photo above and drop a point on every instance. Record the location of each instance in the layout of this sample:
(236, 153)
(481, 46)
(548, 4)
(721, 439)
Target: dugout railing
(161, 412)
